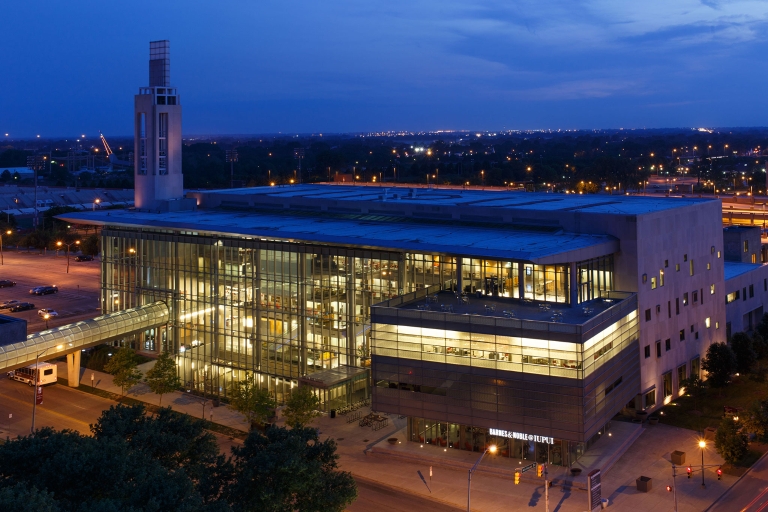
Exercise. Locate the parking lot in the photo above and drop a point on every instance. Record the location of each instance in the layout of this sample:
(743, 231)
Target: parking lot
(78, 296)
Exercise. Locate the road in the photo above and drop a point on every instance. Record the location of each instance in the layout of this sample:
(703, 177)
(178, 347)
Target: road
(750, 494)
(372, 496)
(79, 290)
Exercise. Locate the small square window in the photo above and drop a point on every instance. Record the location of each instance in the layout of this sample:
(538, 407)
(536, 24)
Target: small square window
(658, 309)
(712, 250)
(709, 266)
(718, 254)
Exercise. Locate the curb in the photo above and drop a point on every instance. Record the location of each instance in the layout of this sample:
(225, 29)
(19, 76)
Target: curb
(737, 481)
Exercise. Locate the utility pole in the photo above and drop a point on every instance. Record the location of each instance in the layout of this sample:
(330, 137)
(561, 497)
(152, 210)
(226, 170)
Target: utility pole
(298, 154)
(231, 158)
(36, 164)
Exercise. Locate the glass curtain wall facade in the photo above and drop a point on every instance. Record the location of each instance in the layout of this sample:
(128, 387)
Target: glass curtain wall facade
(285, 310)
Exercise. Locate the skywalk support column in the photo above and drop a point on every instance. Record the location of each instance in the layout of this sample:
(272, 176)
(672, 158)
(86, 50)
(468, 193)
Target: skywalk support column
(73, 369)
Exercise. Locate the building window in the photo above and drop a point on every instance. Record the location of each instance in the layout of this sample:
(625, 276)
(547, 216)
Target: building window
(667, 377)
(669, 308)
(658, 309)
(746, 245)
(690, 264)
(666, 263)
(653, 283)
(650, 399)
(712, 250)
(765, 285)
(647, 315)
(744, 293)
(681, 376)
(751, 290)
(709, 266)
(718, 254)
(677, 306)
(717, 325)
(707, 322)
(645, 278)
(695, 367)
(647, 351)
(695, 297)
(613, 386)
(685, 299)
(732, 297)
(658, 348)
(712, 289)
(754, 258)
(661, 278)
(685, 257)
(682, 334)
(677, 267)
(667, 345)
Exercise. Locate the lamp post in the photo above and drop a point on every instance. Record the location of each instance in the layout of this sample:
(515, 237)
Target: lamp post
(491, 449)
(60, 244)
(1, 246)
(95, 202)
(702, 445)
(34, 394)
(46, 316)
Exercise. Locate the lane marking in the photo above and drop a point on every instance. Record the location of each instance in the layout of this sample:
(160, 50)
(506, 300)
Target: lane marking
(755, 500)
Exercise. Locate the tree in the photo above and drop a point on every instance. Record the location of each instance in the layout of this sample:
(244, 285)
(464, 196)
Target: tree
(762, 326)
(694, 386)
(90, 245)
(246, 398)
(163, 378)
(720, 364)
(5, 176)
(755, 419)
(301, 407)
(759, 345)
(122, 366)
(730, 442)
(289, 470)
(742, 347)
(132, 462)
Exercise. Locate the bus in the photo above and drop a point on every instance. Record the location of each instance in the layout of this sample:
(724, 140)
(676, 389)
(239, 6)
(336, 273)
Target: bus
(47, 374)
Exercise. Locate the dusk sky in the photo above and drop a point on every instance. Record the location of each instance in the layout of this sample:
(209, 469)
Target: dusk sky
(265, 66)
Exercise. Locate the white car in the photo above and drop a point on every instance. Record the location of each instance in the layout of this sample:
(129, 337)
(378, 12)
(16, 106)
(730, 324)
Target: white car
(49, 312)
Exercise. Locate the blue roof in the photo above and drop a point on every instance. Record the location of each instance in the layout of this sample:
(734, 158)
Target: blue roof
(734, 269)
(370, 231)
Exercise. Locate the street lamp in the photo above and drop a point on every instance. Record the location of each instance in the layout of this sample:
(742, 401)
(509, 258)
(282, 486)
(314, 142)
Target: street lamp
(95, 202)
(702, 445)
(46, 316)
(60, 244)
(1, 246)
(34, 395)
(491, 449)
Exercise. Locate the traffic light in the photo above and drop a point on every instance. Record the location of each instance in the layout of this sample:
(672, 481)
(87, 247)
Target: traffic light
(539, 470)
(689, 471)
(669, 488)
(517, 477)
(719, 473)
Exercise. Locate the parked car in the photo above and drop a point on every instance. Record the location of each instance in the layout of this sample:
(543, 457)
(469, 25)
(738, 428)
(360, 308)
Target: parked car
(9, 304)
(84, 257)
(22, 306)
(47, 311)
(6, 282)
(44, 290)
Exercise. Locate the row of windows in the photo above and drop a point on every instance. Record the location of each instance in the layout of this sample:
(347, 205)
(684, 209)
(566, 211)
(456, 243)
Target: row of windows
(682, 374)
(693, 297)
(681, 333)
(660, 280)
(742, 294)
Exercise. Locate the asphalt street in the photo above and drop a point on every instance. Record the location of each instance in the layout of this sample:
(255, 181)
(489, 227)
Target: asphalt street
(750, 494)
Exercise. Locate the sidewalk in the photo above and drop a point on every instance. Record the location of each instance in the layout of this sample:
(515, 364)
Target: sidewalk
(186, 403)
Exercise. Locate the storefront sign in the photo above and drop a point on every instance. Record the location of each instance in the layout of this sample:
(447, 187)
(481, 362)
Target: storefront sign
(523, 437)
(594, 487)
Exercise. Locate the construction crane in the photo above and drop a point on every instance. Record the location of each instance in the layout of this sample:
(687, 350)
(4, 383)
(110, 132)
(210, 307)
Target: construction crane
(113, 160)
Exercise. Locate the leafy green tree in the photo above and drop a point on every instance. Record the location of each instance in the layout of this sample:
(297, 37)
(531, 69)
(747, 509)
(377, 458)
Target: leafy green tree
(759, 345)
(694, 386)
(287, 471)
(246, 398)
(122, 366)
(719, 363)
(301, 407)
(163, 377)
(755, 419)
(5, 176)
(90, 245)
(730, 442)
(762, 327)
(21, 498)
(742, 347)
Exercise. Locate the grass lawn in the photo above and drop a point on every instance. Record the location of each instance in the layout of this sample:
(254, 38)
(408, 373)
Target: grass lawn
(708, 410)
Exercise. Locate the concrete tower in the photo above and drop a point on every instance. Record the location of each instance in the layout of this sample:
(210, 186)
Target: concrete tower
(157, 136)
